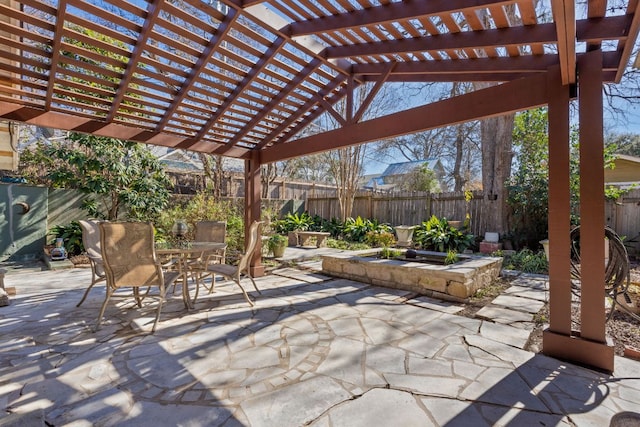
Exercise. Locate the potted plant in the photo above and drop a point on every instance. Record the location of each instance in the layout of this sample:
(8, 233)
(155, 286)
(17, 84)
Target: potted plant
(277, 244)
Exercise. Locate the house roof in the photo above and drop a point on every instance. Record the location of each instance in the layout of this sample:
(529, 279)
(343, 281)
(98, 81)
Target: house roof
(186, 161)
(378, 181)
(626, 170)
(404, 168)
(233, 77)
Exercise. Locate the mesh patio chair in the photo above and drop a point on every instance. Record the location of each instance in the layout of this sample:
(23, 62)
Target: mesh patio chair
(129, 259)
(91, 242)
(207, 232)
(235, 272)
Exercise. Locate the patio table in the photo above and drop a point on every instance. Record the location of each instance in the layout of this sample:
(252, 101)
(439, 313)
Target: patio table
(183, 254)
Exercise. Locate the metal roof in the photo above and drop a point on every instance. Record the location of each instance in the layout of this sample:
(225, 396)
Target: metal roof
(234, 76)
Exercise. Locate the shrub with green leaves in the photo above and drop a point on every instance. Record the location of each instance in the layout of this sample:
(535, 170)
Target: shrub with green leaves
(382, 239)
(437, 235)
(345, 246)
(387, 253)
(293, 222)
(527, 261)
(355, 230)
(203, 207)
(451, 258)
(71, 235)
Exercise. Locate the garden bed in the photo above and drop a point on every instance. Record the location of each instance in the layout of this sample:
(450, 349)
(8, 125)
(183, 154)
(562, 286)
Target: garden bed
(452, 282)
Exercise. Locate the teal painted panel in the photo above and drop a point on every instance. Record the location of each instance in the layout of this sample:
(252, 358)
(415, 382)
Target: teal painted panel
(23, 221)
(65, 206)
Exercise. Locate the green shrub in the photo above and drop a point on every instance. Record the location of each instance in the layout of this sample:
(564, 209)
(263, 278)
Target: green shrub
(276, 241)
(345, 245)
(71, 235)
(437, 235)
(355, 230)
(380, 239)
(527, 261)
(451, 258)
(203, 207)
(334, 226)
(387, 253)
(293, 222)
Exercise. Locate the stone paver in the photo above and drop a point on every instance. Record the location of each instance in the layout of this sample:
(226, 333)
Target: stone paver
(314, 350)
(527, 305)
(500, 314)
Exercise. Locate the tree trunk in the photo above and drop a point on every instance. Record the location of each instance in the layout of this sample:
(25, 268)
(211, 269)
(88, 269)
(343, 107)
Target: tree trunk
(213, 173)
(497, 139)
(346, 166)
(459, 180)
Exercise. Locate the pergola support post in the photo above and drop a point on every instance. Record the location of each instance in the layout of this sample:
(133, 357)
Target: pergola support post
(589, 346)
(252, 207)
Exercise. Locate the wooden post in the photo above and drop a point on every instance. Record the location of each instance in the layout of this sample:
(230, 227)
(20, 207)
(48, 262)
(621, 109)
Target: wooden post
(589, 346)
(252, 208)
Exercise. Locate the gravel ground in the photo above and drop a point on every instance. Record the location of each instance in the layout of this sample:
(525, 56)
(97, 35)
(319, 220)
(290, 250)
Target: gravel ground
(623, 328)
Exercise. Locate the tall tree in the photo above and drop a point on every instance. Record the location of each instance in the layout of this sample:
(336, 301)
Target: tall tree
(120, 176)
(346, 166)
(270, 172)
(214, 173)
(457, 147)
(497, 140)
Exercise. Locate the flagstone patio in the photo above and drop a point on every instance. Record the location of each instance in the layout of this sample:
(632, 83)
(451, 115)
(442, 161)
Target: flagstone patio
(313, 351)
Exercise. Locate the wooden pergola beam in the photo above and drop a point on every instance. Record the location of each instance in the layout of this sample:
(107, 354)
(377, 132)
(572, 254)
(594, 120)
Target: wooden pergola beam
(508, 97)
(479, 69)
(587, 29)
(194, 73)
(564, 16)
(386, 13)
(155, 6)
(55, 53)
(625, 49)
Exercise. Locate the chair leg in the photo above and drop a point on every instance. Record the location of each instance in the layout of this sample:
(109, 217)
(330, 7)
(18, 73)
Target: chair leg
(103, 308)
(93, 282)
(160, 302)
(246, 296)
(213, 283)
(136, 294)
(254, 284)
(195, 297)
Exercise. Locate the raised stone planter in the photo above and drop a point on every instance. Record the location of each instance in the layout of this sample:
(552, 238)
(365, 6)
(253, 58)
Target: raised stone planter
(453, 282)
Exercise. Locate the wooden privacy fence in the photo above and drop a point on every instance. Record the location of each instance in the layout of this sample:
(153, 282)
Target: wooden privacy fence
(623, 216)
(405, 208)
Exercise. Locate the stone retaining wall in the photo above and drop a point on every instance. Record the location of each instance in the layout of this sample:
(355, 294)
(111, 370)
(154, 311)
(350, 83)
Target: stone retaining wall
(454, 282)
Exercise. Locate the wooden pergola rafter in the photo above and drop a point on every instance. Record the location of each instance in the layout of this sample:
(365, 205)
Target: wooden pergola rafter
(229, 79)
(245, 78)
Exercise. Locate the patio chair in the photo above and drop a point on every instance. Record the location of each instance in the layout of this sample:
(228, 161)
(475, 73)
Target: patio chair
(212, 231)
(207, 232)
(235, 272)
(129, 260)
(91, 242)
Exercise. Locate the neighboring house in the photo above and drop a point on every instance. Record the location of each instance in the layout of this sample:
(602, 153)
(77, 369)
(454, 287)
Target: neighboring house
(625, 173)
(395, 174)
(187, 174)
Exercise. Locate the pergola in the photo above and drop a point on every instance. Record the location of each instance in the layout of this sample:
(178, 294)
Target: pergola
(242, 78)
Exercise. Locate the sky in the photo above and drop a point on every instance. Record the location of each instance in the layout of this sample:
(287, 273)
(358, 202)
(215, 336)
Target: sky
(375, 165)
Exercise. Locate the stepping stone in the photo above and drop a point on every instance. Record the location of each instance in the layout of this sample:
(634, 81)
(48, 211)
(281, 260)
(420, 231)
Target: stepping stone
(438, 305)
(518, 303)
(527, 292)
(506, 334)
(503, 315)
